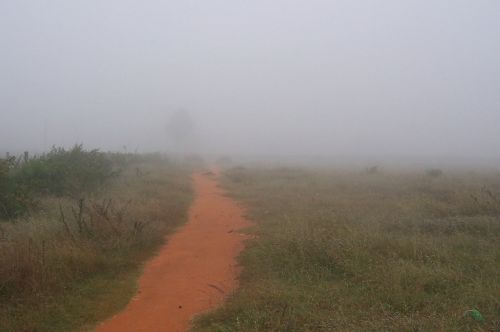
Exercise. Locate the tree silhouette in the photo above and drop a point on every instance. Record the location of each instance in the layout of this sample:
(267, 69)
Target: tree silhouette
(180, 128)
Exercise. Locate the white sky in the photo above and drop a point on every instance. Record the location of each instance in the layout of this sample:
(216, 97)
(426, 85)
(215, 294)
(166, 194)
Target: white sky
(388, 77)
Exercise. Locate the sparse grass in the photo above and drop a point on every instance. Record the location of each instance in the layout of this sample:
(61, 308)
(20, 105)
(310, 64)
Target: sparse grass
(75, 262)
(346, 251)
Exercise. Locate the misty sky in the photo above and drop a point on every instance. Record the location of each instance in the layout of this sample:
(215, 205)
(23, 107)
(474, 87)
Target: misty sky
(388, 77)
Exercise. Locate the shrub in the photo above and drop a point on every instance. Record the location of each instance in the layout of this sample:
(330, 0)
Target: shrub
(60, 172)
(66, 172)
(14, 199)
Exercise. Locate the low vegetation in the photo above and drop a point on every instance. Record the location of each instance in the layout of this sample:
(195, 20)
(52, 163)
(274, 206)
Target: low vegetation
(369, 251)
(75, 228)
(60, 172)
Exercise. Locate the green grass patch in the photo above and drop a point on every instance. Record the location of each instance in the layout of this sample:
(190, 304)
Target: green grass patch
(370, 251)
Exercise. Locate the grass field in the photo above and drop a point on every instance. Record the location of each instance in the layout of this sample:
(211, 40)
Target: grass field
(71, 263)
(365, 251)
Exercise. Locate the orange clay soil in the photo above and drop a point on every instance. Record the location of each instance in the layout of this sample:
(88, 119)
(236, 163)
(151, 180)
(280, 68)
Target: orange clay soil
(194, 271)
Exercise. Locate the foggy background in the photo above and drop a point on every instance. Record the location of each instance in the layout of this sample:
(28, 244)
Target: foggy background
(370, 79)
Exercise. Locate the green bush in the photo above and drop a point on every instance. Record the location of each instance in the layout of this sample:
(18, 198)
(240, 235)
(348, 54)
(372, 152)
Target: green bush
(14, 199)
(66, 172)
(59, 172)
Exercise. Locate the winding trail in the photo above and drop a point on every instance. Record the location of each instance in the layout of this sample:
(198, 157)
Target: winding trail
(194, 271)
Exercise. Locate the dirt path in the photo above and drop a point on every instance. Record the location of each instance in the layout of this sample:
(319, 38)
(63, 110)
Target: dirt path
(194, 271)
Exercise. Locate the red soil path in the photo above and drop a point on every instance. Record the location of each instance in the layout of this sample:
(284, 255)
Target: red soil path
(194, 271)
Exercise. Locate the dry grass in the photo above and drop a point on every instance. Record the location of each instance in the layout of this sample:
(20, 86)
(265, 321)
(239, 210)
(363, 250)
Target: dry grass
(346, 251)
(75, 262)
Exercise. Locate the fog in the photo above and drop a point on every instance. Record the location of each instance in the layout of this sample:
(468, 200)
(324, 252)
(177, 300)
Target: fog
(396, 79)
